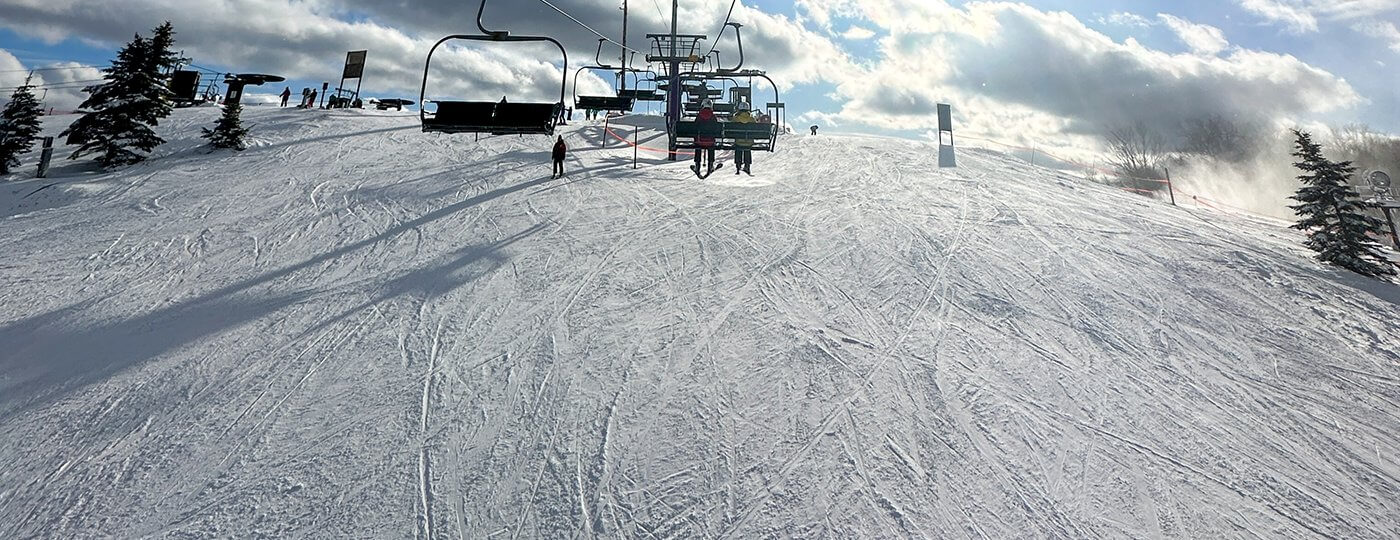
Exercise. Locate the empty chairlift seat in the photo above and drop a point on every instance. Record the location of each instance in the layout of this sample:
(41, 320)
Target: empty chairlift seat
(641, 95)
(460, 116)
(526, 117)
(605, 103)
(490, 117)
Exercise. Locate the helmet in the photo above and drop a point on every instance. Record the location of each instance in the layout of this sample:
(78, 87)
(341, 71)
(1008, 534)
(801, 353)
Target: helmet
(707, 104)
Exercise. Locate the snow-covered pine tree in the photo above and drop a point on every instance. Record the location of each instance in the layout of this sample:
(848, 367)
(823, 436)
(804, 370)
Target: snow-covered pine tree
(163, 55)
(19, 124)
(1338, 229)
(229, 131)
(118, 115)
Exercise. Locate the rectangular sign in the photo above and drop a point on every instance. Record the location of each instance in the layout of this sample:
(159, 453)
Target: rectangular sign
(355, 64)
(945, 117)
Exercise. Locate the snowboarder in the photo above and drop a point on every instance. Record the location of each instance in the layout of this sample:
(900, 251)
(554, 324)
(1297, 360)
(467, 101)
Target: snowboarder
(560, 151)
(286, 95)
(814, 130)
(705, 145)
(311, 100)
(743, 148)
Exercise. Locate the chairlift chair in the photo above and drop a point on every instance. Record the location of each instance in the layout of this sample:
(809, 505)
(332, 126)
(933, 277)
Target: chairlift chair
(637, 93)
(499, 118)
(727, 133)
(621, 102)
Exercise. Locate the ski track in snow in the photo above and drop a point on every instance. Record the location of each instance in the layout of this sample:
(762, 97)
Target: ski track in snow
(354, 329)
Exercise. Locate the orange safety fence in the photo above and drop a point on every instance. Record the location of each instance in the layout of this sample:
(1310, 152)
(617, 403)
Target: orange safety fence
(608, 129)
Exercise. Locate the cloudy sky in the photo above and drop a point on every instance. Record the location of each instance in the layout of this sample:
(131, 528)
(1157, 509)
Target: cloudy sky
(1047, 72)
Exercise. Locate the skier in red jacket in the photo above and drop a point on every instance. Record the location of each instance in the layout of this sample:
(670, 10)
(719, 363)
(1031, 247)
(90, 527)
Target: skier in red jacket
(706, 119)
(560, 151)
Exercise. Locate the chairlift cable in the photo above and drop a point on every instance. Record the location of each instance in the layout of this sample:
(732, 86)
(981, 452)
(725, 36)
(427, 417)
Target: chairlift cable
(61, 85)
(589, 28)
(56, 68)
(213, 72)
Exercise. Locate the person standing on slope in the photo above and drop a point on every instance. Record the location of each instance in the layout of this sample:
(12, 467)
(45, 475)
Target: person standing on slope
(561, 151)
(286, 95)
(705, 144)
(743, 148)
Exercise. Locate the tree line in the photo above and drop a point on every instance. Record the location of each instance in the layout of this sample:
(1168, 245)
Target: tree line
(118, 116)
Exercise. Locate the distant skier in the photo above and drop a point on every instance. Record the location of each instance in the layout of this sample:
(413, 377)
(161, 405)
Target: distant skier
(705, 144)
(743, 148)
(561, 151)
(311, 100)
(814, 130)
(286, 95)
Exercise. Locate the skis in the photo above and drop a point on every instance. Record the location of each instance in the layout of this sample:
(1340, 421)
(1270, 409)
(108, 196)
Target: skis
(696, 169)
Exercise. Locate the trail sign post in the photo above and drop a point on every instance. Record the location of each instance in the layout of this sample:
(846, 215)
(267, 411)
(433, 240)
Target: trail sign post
(354, 69)
(947, 157)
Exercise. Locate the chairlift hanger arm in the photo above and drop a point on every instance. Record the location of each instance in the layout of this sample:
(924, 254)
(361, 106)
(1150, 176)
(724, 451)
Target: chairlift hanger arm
(738, 35)
(598, 57)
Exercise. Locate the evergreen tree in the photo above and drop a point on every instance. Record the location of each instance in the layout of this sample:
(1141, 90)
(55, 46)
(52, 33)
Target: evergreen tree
(1338, 229)
(229, 131)
(19, 124)
(118, 115)
(163, 56)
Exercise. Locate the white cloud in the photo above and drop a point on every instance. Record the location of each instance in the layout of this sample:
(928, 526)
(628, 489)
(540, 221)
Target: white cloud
(858, 33)
(1297, 18)
(1201, 38)
(1123, 18)
(58, 85)
(1015, 72)
(1383, 30)
(1303, 16)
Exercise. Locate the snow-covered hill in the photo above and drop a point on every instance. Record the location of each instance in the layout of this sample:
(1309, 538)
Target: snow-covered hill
(358, 330)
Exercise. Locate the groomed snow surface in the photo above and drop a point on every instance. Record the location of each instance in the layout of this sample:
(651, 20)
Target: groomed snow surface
(358, 330)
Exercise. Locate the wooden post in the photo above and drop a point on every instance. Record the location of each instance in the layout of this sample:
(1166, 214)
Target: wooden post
(1170, 190)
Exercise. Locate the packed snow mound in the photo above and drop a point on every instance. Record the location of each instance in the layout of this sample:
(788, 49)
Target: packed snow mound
(355, 329)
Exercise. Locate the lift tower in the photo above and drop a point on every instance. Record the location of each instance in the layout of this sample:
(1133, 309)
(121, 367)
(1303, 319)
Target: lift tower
(671, 51)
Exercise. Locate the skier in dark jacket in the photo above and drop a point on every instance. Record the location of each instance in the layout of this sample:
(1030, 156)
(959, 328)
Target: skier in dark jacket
(706, 145)
(286, 95)
(560, 151)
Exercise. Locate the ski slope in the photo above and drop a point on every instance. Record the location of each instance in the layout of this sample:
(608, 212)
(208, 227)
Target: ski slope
(357, 330)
